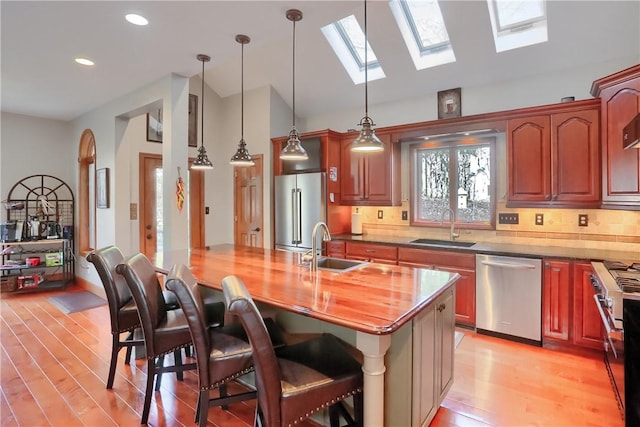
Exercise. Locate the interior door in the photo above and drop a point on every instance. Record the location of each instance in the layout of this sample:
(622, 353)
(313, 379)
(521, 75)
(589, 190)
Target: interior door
(248, 206)
(151, 205)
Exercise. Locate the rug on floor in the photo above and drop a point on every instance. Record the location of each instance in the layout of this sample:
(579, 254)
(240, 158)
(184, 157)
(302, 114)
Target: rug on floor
(459, 336)
(73, 302)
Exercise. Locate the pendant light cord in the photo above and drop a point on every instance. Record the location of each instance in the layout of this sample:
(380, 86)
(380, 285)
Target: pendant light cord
(242, 94)
(366, 64)
(202, 108)
(294, 74)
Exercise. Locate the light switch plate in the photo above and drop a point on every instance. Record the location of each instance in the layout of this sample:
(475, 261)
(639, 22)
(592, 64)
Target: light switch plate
(380, 214)
(405, 215)
(508, 218)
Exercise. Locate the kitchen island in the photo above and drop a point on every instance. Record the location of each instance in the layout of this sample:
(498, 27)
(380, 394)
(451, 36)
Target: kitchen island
(411, 307)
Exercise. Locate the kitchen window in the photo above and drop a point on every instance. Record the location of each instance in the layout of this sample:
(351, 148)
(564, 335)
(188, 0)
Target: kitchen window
(457, 174)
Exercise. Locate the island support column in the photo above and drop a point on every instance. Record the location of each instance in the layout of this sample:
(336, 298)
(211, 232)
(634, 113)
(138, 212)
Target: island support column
(373, 347)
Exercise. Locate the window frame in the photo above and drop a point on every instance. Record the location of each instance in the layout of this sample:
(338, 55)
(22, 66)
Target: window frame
(452, 145)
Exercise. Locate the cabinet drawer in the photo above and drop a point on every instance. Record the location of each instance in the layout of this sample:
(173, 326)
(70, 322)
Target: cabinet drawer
(335, 248)
(370, 251)
(438, 258)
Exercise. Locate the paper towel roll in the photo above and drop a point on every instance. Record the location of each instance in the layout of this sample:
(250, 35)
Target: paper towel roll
(356, 223)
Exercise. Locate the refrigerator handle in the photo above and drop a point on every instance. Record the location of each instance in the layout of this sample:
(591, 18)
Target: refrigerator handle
(296, 196)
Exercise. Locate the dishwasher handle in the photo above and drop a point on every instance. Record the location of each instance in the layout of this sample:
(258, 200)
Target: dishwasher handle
(508, 265)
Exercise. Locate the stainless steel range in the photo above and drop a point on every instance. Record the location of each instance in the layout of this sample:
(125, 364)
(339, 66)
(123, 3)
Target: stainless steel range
(617, 296)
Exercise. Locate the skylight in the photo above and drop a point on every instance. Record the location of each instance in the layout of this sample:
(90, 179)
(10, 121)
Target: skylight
(518, 23)
(424, 32)
(347, 40)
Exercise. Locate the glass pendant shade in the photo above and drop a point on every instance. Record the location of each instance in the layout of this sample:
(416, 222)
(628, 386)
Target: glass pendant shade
(202, 161)
(242, 156)
(367, 141)
(294, 149)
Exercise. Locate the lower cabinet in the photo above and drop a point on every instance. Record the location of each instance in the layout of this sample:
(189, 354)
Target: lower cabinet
(570, 315)
(371, 252)
(455, 262)
(421, 355)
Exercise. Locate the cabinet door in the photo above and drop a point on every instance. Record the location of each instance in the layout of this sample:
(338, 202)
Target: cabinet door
(620, 97)
(556, 300)
(587, 325)
(575, 171)
(351, 181)
(529, 157)
(465, 312)
(425, 390)
(445, 326)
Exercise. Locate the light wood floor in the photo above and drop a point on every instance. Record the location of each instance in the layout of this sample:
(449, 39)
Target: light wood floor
(53, 370)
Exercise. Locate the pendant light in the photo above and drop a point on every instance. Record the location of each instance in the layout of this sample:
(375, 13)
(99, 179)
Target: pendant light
(294, 149)
(202, 162)
(367, 141)
(242, 156)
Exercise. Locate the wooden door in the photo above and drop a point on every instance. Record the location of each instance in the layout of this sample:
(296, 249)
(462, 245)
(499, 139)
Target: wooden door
(150, 201)
(529, 157)
(575, 142)
(556, 300)
(587, 324)
(248, 205)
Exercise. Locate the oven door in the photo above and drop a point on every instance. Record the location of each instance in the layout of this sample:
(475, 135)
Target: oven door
(613, 351)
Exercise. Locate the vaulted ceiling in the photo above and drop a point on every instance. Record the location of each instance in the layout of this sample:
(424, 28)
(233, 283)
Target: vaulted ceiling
(41, 39)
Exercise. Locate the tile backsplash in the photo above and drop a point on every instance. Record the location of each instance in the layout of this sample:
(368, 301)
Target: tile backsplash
(606, 229)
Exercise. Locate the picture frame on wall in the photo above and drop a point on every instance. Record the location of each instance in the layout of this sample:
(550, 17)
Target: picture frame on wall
(449, 103)
(154, 123)
(154, 126)
(102, 188)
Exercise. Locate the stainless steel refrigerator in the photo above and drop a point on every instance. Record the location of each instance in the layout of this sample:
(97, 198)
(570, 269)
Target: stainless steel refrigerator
(300, 202)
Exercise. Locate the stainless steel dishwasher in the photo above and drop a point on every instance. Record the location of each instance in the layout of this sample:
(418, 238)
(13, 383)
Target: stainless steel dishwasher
(509, 297)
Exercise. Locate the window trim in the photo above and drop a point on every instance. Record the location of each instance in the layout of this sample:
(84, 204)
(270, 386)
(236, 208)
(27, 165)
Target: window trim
(452, 144)
(520, 25)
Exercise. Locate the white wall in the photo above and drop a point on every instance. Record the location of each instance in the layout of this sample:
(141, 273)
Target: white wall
(35, 146)
(539, 89)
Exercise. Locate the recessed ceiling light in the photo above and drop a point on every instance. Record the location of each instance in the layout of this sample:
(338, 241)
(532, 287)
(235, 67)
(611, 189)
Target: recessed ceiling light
(84, 61)
(136, 19)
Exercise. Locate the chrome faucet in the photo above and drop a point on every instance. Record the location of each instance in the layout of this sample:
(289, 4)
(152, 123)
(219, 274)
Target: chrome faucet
(452, 216)
(326, 236)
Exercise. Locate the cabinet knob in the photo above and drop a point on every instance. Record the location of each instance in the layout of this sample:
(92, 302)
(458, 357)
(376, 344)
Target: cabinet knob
(441, 307)
(625, 136)
(547, 197)
(148, 236)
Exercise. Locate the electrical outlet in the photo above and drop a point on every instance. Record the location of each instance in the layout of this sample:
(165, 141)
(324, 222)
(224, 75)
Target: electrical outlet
(583, 220)
(539, 219)
(508, 218)
(380, 214)
(405, 215)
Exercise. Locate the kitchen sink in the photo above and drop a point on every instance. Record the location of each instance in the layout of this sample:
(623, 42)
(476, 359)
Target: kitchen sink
(338, 265)
(436, 242)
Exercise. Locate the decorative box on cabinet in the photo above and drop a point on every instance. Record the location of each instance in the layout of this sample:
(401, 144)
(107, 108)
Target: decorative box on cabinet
(455, 262)
(554, 157)
(620, 99)
(370, 178)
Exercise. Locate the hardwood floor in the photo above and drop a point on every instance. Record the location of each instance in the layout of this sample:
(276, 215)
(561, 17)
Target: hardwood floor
(53, 370)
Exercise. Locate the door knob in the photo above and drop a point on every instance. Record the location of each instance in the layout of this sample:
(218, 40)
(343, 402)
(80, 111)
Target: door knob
(257, 229)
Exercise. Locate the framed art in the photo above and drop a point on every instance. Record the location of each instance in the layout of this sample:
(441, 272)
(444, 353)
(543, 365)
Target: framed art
(449, 103)
(154, 126)
(102, 188)
(193, 120)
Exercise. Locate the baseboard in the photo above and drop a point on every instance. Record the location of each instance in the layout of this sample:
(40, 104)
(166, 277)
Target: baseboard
(88, 286)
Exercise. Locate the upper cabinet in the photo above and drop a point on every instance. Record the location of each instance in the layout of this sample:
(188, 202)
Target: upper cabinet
(370, 178)
(554, 157)
(620, 100)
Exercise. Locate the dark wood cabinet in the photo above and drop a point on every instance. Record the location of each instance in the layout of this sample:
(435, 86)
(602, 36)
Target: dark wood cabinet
(620, 102)
(372, 252)
(556, 302)
(370, 178)
(587, 324)
(554, 158)
(463, 264)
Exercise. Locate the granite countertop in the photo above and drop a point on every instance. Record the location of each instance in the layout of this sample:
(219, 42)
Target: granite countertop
(505, 249)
